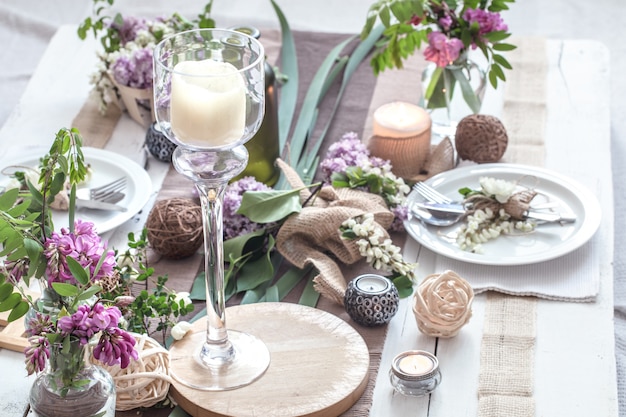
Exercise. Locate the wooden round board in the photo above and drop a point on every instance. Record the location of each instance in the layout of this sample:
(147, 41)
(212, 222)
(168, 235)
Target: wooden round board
(319, 365)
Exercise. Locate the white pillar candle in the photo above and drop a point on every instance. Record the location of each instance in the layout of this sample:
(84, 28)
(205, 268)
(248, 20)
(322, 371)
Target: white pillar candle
(400, 120)
(208, 103)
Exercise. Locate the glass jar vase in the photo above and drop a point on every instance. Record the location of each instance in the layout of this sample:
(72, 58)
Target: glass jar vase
(450, 93)
(70, 386)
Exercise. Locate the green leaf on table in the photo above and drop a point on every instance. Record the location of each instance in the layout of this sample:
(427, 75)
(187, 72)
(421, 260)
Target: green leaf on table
(404, 286)
(289, 67)
(269, 206)
(179, 412)
(309, 295)
(238, 246)
(198, 288)
(256, 272)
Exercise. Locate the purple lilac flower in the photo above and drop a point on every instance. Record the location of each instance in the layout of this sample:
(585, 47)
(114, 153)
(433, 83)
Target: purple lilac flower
(37, 354)
(16, 269)
(445, 23)
(348, 151)
(134, 71)
(487, 22)
(237, 224)
(129, 28)
(401, 213)
(84, 245)
(41, 324)
(115, 347)
(441, 50)
(88, 321)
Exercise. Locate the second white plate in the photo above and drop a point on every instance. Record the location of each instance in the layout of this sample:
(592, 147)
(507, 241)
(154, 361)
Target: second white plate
(107, 166)
(549, 241)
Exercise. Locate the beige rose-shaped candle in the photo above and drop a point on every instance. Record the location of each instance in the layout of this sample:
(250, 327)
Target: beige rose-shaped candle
(443, 304)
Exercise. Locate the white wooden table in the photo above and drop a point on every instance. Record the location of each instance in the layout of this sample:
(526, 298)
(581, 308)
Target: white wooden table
(575, 365)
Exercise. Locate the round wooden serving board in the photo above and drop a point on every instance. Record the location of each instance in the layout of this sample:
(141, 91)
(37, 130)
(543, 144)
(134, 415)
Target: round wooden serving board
(318, 367)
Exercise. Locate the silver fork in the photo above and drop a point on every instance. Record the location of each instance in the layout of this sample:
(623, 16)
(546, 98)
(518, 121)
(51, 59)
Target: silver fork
(105, 191)
(430, 194)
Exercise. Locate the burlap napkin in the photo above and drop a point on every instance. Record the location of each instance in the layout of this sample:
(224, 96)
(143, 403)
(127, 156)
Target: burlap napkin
(312, 235)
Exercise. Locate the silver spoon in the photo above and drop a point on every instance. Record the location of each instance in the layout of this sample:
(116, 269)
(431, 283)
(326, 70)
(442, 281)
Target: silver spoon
(427, 217)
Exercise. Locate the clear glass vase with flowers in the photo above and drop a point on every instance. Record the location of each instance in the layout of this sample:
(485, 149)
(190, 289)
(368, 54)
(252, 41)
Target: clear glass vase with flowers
(71, 321)
(453, 84)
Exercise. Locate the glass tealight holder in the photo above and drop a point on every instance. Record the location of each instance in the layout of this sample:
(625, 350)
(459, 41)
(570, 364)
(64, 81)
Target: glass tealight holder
(415, 373)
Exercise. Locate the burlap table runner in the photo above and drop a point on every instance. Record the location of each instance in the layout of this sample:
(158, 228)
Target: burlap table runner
(364, 94)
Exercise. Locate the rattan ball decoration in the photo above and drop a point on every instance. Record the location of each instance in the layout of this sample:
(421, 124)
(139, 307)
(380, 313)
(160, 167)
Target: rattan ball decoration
(146, 381)
(175, 228)
(442, 304)
(481, 138)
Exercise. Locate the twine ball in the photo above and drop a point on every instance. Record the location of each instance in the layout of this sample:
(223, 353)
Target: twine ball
(175, 228)
(146, 381)
(481, 138)
(442, 304)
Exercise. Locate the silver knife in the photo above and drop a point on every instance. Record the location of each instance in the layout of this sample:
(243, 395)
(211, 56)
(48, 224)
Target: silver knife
(98, 205)
(458, 208)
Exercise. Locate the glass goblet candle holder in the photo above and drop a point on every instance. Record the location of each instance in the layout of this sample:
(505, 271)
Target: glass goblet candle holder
(209, 100)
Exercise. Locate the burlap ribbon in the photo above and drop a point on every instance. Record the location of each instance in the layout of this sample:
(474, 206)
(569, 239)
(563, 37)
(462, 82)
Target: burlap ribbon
(312, 236)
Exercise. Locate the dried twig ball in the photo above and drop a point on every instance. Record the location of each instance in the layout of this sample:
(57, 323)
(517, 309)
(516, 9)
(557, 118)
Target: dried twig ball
(175, 228)
(481, 138)
(442, 304)
(146, 381)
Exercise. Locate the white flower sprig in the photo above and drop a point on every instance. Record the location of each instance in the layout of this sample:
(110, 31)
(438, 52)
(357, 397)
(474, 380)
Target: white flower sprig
(484, 225)
(379, 251)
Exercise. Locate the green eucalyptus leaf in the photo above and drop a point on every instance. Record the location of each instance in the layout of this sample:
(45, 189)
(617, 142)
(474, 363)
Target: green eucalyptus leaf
(11, 301)
(6, 290)
(8, 199)
(18, 311)
(469, 95)
(78, 272)
(89, 292)
(269, 206)
(65, 290)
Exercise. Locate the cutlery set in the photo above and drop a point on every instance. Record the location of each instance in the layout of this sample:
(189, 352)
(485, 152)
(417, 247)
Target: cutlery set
(439, 210)
(104, 197)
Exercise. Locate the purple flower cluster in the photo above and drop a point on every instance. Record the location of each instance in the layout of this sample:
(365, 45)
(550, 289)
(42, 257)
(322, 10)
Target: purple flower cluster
(441, 50)
(237, 224)
(37, 354)
(84, 245)
(487, 21)
(130, 27)
(135, 70)
(115, 346)
(348, 151)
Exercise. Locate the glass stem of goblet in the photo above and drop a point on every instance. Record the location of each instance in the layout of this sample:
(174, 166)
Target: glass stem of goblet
(217, 348)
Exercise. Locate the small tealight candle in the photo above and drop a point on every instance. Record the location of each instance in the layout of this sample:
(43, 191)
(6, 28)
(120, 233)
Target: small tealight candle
(415, 373)
(208, 103)
(401, 133)
(372, 283)
(371, 300)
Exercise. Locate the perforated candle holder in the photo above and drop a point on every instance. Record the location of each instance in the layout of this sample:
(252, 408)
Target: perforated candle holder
(371, 300)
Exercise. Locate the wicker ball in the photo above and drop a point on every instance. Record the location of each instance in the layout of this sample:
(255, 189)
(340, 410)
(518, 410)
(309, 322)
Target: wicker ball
(146, 381)
(443, 304)
(175, 228)
(481, 138)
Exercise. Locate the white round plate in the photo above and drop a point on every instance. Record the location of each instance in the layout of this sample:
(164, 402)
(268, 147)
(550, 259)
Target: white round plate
(106, 166)
(548, 241)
